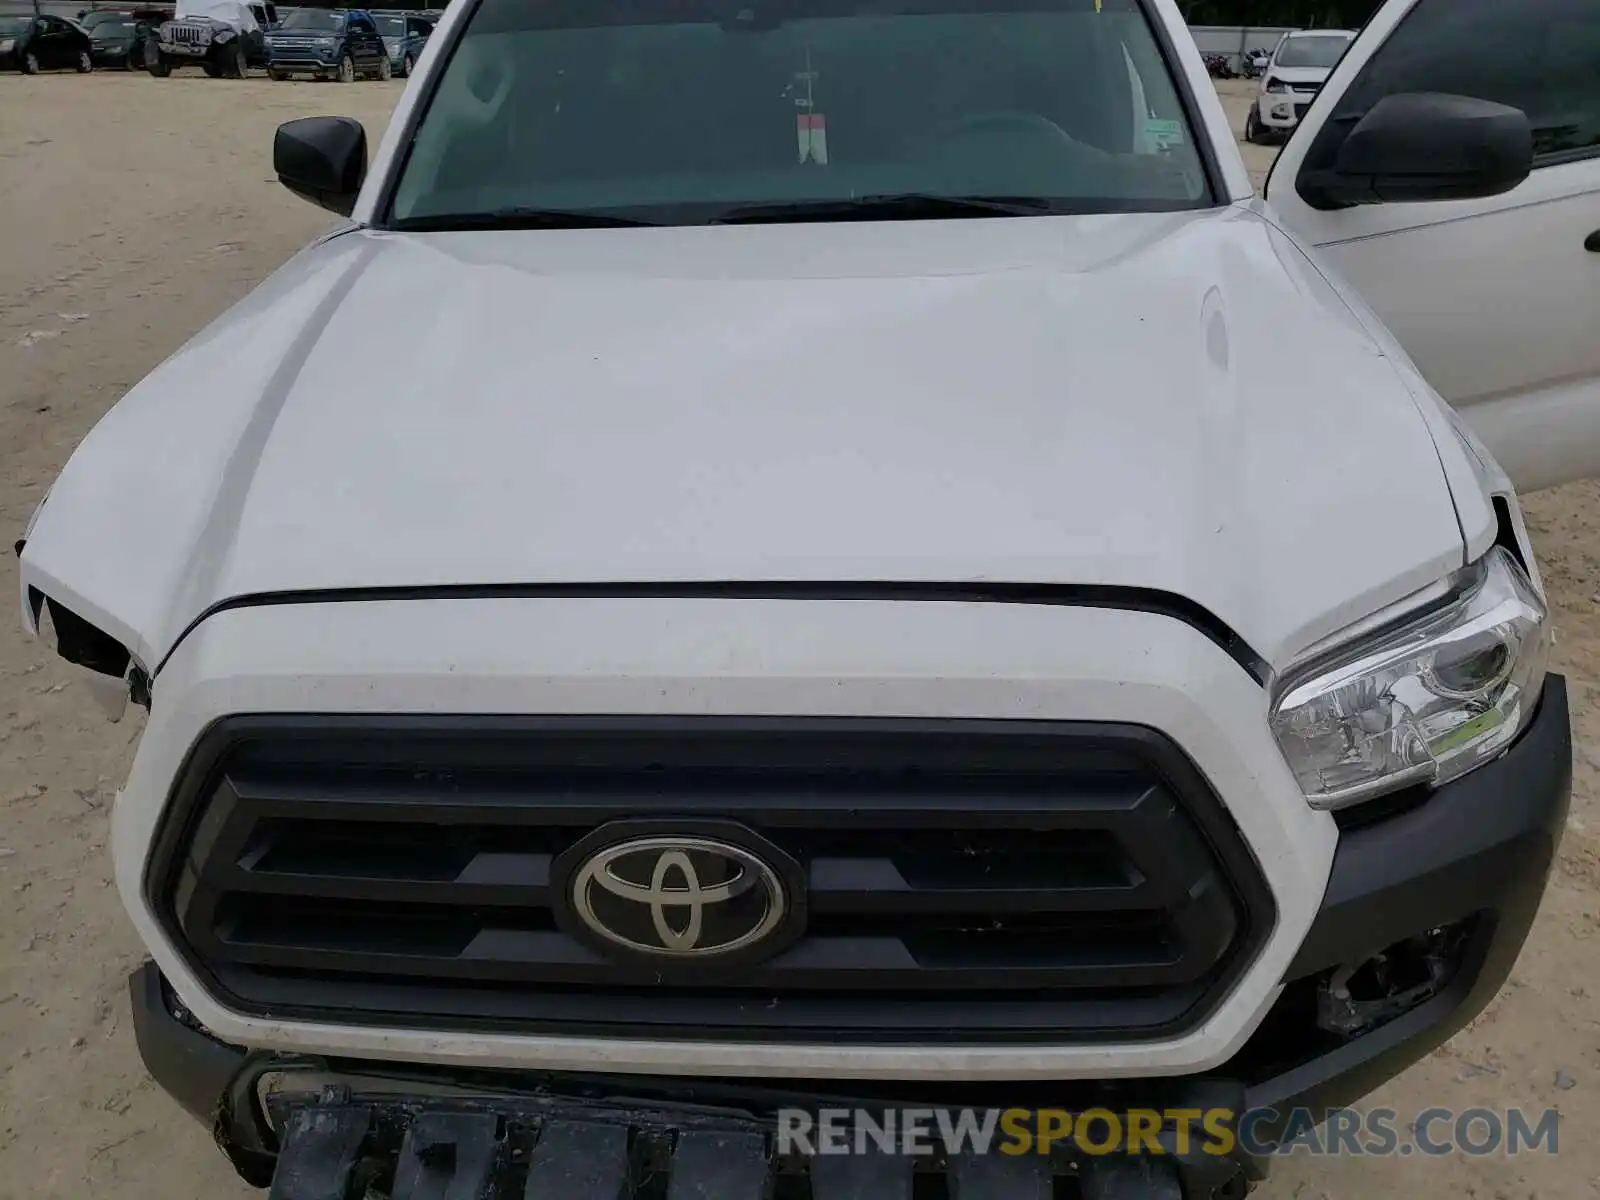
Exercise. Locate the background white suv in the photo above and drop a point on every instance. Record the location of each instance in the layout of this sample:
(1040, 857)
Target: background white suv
(1295, 74)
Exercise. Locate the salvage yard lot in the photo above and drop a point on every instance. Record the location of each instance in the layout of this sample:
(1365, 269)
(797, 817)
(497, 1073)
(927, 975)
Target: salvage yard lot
(132, 211)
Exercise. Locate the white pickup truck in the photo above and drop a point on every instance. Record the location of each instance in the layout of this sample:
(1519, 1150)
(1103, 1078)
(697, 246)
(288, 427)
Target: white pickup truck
(882, 574)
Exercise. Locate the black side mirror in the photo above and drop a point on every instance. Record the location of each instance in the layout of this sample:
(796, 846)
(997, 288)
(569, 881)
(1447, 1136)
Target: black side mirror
(1418, 146)
(322, 159)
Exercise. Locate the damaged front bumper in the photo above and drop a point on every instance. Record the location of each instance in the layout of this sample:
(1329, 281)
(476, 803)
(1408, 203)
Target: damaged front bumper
(321, 1130)
(1425, 912)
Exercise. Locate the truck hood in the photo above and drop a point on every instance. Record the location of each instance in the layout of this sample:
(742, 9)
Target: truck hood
(1155, 401)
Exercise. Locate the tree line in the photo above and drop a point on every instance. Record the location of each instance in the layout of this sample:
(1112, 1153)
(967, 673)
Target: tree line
(1337, 14)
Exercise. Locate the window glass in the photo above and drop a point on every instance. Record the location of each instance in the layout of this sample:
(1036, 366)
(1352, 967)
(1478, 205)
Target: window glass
(1542, 56)
(312, 20)
(1312, 50)
(680, 112)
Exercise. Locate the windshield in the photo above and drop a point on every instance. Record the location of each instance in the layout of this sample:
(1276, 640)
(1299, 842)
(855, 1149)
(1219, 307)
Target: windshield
(392, 26)
(689, 112)
(104, 29)
(1322, 50)
(306, 18)
(14, 26)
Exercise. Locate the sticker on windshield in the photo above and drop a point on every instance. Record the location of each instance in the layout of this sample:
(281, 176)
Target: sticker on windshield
(1161, 135)
(811, 128)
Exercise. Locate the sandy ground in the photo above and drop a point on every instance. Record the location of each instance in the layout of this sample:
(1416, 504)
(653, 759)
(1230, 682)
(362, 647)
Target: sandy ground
(132, 211)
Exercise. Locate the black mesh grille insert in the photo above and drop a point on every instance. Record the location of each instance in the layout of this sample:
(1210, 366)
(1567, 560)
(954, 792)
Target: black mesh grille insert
(980, 880)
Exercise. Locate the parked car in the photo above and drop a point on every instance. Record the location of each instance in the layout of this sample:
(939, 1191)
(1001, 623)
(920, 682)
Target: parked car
(985, 611)
(118, 39)
(44, 43)
(328, 43)
(1291, 80)
(223, 37)
(404, 34)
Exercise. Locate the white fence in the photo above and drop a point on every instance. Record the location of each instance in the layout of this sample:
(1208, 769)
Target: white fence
(1235, 40)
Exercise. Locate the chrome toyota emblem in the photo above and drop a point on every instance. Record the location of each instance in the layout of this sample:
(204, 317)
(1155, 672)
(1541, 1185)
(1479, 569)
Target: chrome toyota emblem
(678, 898)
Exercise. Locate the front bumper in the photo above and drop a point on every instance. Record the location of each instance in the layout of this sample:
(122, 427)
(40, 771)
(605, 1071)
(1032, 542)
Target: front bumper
(302, 59)
(1463, 867)
(1282, 111)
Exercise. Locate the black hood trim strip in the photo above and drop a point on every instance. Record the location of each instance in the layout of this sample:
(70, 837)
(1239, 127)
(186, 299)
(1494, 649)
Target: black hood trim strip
(1132, 599)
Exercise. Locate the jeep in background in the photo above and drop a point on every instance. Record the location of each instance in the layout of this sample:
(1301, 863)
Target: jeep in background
(327, 43)
(222, 37)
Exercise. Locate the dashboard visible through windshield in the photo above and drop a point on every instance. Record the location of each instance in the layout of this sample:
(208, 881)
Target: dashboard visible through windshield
(580, 112)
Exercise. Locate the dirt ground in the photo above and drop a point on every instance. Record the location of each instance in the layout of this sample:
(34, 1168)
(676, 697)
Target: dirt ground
(133, 210)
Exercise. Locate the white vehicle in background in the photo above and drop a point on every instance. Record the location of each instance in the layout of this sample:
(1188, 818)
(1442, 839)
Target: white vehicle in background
(1291, 79)
(853, 595)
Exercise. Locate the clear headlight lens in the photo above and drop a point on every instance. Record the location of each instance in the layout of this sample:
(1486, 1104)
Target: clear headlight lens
(1425, 702)
(1277, 85)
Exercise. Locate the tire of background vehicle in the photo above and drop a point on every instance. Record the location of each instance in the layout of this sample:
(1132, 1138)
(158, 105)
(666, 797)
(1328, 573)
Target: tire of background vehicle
(239, 68)
(276, 76)
(385, 69)
(405, 67)
(1250, 125)
(212, 70)
(347, 69)
(85, 63)
(159, 69)
(30, 63)
(127, 62)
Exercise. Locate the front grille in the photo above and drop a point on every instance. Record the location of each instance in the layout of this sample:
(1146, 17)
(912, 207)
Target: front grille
(986, 880)
(192, 35)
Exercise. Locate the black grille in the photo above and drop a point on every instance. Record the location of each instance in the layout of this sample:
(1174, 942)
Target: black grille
(976, 879)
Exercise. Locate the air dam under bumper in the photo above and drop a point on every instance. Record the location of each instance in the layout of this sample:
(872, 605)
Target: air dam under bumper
(1465, 867)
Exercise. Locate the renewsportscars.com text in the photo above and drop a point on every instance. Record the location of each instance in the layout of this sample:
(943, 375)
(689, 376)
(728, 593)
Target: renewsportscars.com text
(1183, 1131)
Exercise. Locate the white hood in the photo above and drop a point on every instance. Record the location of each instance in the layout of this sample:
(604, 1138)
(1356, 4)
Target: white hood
(1163, 402)
(229, 12)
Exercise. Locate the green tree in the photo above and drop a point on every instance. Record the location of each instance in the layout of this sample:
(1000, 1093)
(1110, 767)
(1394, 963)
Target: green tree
(1349, 14)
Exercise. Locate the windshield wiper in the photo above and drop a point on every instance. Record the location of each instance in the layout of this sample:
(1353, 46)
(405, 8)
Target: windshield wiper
(899, 206)
(516, 218)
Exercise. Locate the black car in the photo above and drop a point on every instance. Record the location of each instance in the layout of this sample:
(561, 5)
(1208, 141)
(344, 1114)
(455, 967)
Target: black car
(117, 37)
(329, 43)
(42, 43)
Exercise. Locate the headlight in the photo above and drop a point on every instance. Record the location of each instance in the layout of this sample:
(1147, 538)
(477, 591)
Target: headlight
(324, 41)
(1276, 85)
(7, 45)
(1422, 703)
